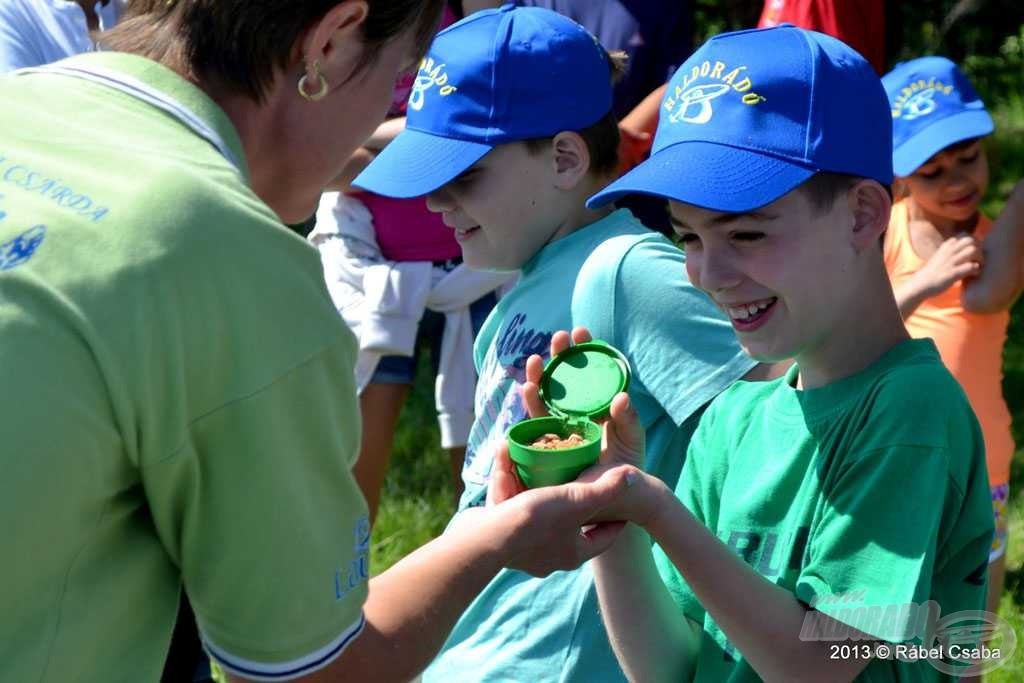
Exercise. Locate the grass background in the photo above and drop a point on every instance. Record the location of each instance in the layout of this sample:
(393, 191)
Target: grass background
(416, 503)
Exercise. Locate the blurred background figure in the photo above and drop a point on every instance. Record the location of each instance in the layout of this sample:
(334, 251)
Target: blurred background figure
(395, 273)
(858, 23)
(35, 32)
(657, 36)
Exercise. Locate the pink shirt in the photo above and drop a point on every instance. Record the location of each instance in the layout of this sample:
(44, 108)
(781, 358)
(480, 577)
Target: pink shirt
(405, 229)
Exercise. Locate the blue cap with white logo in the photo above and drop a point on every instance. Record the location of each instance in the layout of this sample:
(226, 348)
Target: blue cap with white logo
(933, 106)
(497, 76)
(753, 114)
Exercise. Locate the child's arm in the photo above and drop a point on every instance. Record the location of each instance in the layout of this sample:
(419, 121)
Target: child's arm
(385, 133)
(956, 258)
(761, 619)
(652, 640)
(636, 130)
(361, 158)
(1001, 281)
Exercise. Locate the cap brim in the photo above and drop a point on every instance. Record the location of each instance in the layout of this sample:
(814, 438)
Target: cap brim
(709, 175)
(417, 163)
(914, 152)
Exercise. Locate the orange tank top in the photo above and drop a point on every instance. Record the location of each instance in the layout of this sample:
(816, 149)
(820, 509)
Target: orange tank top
(971, 345)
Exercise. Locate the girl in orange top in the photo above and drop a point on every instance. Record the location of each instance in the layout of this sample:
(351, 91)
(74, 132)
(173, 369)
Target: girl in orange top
(936, 255)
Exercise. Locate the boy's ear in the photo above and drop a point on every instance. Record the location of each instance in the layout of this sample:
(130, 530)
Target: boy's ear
(870, 206)
(570, 159)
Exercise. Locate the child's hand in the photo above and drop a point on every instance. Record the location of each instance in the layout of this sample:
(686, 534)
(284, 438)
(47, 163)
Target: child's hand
(623, 438)
(955, 259)
(623, 444)
(560, 341)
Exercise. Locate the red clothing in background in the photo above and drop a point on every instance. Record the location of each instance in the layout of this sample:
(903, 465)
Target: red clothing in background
(858, 23)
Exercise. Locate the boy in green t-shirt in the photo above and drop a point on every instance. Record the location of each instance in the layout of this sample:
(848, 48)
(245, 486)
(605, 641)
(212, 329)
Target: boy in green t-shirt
(823, 512)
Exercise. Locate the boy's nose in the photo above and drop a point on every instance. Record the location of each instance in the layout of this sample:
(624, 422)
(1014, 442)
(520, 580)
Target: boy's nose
(712, 271)
(440, 201)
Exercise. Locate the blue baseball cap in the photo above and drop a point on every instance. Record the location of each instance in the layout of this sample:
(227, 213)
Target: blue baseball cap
(753, 114)
(497, 76)
(933, 106)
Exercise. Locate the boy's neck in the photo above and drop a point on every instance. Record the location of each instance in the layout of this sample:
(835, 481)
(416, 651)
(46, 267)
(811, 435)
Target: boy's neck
(947, 227)
(578, 216)
(871, 326)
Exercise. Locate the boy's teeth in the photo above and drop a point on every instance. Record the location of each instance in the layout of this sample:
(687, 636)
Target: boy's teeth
(747, 310)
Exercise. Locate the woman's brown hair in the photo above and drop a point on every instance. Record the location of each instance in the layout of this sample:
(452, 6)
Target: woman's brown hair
(237, 44)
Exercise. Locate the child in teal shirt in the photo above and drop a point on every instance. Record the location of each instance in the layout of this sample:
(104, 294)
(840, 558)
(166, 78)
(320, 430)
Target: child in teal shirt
(509, 130)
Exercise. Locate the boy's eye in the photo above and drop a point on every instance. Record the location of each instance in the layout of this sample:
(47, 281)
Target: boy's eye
(747, 236)
(465, 179)
(929, 175)
(970, 159)
(685, 239)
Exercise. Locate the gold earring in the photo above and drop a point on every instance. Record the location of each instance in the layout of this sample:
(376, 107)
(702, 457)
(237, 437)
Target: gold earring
(319, 94)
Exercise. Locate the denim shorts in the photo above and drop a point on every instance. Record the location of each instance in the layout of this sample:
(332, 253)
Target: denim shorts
(402, 369)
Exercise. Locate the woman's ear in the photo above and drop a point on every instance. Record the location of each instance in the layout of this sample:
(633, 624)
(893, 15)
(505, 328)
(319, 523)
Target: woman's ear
(336, 41)
(870, 206)
(570, 159)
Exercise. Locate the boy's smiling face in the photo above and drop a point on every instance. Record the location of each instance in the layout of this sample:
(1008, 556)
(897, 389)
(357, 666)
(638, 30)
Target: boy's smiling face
(782, 273)
(951, 184)
(505, 208)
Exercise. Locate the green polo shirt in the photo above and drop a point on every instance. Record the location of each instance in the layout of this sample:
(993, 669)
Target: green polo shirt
(178, 404)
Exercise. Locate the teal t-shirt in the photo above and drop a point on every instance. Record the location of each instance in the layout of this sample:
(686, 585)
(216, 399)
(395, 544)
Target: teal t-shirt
(628, 285)
(871, 489)
(179, 404)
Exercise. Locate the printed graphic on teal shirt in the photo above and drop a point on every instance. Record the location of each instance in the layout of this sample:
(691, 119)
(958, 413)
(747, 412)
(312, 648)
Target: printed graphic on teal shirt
(499, 399)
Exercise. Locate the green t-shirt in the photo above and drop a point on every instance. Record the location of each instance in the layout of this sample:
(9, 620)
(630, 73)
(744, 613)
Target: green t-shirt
(179, 402)
(870, 492)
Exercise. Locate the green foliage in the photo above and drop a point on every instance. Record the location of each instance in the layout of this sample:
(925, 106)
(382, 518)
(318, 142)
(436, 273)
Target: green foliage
(998, 74)
(985, 36)
(954, 28)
